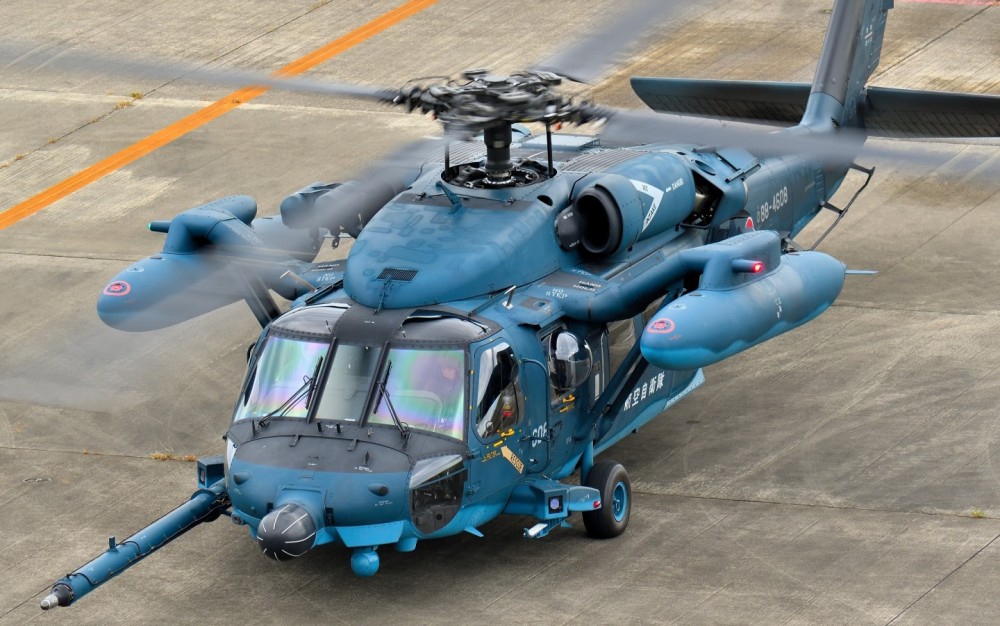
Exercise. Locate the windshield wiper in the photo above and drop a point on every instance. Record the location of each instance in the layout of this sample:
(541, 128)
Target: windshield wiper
(307, 390)
(383, 392)
(313, 383)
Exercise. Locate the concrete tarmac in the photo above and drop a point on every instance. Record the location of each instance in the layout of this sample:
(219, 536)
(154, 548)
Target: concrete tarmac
(847, 472)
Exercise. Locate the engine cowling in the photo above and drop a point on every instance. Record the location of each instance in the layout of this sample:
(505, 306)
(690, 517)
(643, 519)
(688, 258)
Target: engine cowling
(640, 198)
(349, 206)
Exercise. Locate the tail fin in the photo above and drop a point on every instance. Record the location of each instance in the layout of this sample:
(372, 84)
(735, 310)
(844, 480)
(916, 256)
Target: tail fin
(850, 54)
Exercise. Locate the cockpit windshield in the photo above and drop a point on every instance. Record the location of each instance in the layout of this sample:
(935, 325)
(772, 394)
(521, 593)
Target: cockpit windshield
(347, 383)
(280, 375)
(304, 369)
(426, 388)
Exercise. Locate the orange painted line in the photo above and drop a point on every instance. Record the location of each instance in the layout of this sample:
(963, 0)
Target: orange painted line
(199, 118)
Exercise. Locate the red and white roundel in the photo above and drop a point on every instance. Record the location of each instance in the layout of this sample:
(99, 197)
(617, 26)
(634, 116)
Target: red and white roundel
(663, 325)
(117, 288)
(749, 224)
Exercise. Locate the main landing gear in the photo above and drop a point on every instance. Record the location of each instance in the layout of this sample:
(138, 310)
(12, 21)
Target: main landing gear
(611, 480)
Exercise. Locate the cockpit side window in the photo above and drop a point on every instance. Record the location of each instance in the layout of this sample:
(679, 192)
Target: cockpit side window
(499, 398)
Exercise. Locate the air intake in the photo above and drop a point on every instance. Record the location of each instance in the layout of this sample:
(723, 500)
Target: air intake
(397, 274)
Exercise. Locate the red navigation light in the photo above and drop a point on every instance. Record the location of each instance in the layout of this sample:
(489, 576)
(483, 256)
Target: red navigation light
(746, 266)
(597, 504)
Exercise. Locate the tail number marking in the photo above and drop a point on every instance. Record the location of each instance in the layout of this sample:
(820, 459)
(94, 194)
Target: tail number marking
(775, 204)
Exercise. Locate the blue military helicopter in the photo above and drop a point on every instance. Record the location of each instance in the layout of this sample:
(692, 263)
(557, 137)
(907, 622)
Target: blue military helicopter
(513, 304)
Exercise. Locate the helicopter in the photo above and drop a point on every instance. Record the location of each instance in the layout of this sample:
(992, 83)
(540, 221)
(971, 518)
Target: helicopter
(350, 429)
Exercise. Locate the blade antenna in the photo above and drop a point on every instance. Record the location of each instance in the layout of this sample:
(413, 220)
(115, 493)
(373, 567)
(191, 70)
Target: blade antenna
(548, 146)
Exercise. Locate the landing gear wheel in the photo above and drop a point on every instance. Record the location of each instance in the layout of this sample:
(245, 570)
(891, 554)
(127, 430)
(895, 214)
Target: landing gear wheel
(611, 479)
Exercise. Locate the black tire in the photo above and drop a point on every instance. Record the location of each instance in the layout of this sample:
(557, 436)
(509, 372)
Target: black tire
(611, 479)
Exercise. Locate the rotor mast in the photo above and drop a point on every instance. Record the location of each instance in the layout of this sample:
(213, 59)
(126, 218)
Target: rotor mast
(498, 164)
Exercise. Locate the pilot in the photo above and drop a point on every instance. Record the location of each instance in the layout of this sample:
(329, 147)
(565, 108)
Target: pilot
(506, 413)
(444, 380)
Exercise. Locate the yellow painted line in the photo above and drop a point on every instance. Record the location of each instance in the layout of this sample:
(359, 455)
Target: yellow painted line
(180, 128)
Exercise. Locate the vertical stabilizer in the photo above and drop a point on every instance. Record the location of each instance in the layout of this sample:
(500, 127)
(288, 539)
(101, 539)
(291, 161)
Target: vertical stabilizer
(850, 54)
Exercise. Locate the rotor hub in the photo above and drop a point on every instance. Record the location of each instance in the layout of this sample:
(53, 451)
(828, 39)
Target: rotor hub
(491, 103)
(488, 100)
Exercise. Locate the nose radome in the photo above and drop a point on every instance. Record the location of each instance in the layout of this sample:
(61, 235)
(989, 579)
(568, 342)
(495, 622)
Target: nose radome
(286, 532)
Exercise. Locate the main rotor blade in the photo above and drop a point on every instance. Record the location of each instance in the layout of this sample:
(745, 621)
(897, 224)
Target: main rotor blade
(841, 146)
(350, 206)
(77, 60)
(588, 58)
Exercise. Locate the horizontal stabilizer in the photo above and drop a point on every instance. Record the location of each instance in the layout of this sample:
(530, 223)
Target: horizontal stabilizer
(777, 103)
(887, 112)
(908, 113)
